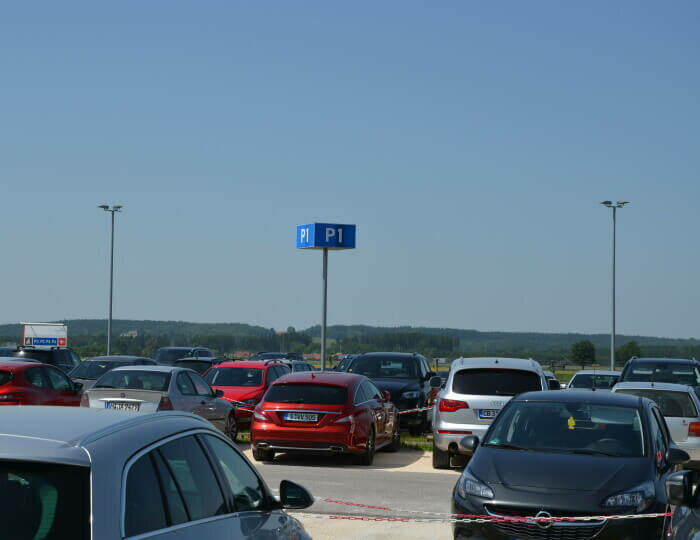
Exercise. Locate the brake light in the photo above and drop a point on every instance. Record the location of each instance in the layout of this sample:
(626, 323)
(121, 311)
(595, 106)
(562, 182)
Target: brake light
(452, 405)
(260, 415)
(165, 404)
(694, 429)
(84, 400)
(345, 419)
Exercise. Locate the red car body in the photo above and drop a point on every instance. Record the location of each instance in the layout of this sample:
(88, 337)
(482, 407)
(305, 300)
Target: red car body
(324, 412)
(248, 391)
(33, 383)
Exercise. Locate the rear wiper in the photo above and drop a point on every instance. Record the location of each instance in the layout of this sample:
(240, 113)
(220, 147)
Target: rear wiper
(499, 393)
(505, 445)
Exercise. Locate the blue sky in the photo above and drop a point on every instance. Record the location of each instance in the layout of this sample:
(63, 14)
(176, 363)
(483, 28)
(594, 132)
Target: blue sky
(470, 142)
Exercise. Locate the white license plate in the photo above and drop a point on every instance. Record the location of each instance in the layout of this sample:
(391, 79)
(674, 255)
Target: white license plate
(488, 413)
(300, 417)
(122, 405)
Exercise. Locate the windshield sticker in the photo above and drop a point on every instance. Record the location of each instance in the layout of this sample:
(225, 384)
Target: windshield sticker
(571, 422)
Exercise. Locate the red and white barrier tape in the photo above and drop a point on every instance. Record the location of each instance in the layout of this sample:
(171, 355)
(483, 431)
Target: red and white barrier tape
(411, 411)
(242, 406)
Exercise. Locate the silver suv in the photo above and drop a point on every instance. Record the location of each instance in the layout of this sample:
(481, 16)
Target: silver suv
(475, 391)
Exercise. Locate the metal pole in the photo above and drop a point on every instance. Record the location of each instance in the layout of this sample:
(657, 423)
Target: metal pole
(612, 334)
(111, 286)
(325, 305)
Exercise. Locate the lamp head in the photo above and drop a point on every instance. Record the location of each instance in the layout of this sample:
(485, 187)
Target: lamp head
(607, 203)
(104, 207)
(623, 203)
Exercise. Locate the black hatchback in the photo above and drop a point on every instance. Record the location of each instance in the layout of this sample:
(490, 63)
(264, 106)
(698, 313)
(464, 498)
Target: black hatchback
(568, 454)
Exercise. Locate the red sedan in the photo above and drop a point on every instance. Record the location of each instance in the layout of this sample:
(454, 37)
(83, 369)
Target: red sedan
(324, 412)
(33, 383)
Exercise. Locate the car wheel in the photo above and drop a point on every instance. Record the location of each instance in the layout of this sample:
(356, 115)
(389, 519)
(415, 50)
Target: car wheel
(395, 443)
(367, 457)
(263, 455)
(231, 427)
(441, 458)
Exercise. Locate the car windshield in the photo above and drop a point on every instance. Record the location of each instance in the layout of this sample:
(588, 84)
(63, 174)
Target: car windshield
(569, 428)
(234, 376)
(586, 380)
(495, 382)
(5, 376)
(44, 501)
(135, 380)
(377, 367)
(672, 403)
(168, 356)
(94, 369)
(317, 394)
(670, 372)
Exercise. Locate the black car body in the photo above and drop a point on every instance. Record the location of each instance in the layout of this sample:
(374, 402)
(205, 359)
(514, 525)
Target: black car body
(87, 372)
(61, 357)
(406, 376)
(685, 523)
(200, 365)
(669, 370)
(610, 456)
(168, 355)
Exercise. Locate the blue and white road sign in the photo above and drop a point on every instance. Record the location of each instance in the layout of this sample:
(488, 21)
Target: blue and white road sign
(326, 236)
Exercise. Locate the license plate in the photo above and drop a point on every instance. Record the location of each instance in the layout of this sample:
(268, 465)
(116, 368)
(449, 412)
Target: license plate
(122, 406)
(300, 417)
(488, 413)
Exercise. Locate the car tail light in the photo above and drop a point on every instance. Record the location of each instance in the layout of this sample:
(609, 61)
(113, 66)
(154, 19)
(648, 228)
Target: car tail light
(694, 429)
(84, 400)
(452, 405)
(165, 404)
(11, 399)
(344, 419)
(260, 415)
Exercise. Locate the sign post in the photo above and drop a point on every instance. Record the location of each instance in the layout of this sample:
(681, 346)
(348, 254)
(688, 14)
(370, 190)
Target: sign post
(325, 236)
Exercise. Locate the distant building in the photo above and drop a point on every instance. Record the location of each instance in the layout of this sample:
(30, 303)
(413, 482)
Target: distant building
(130, 333)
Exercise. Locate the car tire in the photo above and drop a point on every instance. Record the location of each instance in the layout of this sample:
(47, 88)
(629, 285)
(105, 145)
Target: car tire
(263, 455)
(441, 458)
(231, 427)
(367, 457)
(395, 443)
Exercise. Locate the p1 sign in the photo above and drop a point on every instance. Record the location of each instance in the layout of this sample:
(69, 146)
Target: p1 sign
(326, 236)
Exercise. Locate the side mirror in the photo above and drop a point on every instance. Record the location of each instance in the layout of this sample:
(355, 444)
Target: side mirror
(676, 456)
(553, 384)
(435, 382)
(77, 386)
(218, 393)
(679, 488)
(386, 396)
(294, 496)
(468, 444)
(563, 386)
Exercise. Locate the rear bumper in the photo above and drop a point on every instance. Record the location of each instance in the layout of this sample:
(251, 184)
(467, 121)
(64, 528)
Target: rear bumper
(447, 435)
(692, 446)
(328, 439)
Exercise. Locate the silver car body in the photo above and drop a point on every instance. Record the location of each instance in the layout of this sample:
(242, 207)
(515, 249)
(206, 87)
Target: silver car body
(678, 425)
(107, 442)
(593, 372)
(214, 409)
(450, 427)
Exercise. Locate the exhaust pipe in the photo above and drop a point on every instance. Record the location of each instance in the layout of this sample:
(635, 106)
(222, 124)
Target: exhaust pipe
(263, 445)
(337, 449)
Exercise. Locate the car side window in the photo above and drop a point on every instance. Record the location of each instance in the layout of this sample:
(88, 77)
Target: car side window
(283, 370)
(244, 484)
(360, 394)
(372, 391)
(57, 379)
(658, 440)
(184, 384)
(143, 508)
(273, 373)
(36, 377)
(201, 387)
(422, 368)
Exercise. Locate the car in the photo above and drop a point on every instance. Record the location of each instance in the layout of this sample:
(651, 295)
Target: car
(343, 361)
(685, 522)
(244, 382)
(86, 474)
(200, 365)
(34, 383)
(552, 382)
(63, 358)
(680, 406)
(160, 388)
(594, 379)
(167, 355)
(325, 412)
(568, 454)
(670, 370)
(406, 376)
(88, 371)
(475, 392)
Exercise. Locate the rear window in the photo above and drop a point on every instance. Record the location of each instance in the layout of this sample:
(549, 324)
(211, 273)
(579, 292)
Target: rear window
(377, 367)
(317, 394)
(234, 376)
(5, 376)
(168, 356)
(679, 373)
(495, 382)
(95, 369)
(584, 380)
(197, 365)
(44, 501)
(135, 380)
(671, 403)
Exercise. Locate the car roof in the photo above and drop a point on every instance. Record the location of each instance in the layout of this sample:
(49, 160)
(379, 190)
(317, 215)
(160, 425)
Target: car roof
(337, 378)
(527, 364)
(388, 354)
(158, 368)
(650, 360)
(116, 358)
(19, 365)
(260, 364)
(645, 385)
(596, 372)
(60, 434)
(575, 396)
(179, 348)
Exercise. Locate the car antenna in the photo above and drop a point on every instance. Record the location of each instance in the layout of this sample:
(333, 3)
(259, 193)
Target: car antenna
(593, 389)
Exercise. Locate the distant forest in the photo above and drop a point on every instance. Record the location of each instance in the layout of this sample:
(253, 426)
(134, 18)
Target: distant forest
(88, 338)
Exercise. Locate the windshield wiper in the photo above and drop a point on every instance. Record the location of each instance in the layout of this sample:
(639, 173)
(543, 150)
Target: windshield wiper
(105, 386)
(586, 451)
(505, 445)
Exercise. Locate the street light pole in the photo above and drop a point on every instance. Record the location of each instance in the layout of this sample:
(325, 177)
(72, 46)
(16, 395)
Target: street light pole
(112, 210)
(614, 207)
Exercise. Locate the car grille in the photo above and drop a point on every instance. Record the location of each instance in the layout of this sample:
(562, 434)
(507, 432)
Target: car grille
(533, 531)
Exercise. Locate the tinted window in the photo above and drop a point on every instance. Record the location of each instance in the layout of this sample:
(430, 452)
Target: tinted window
(318, 394)
(94, 369)
(43, 356)
(58, 380)
(388, 367)
(194, 478)
(144, 510)
(200, 366)
(243, 482)
(36, 377)
(68, 358)
(272, 374)
(672, 404)
(657, 440)
(185, 385)
(135, 380)
(234, 376)
(168, 356)
(570, 427)
(44, 501)
(586, 380)
(5, 376)
(371, 391)
(360, 394)
(671, 372)
(200, 386)
(495, 382)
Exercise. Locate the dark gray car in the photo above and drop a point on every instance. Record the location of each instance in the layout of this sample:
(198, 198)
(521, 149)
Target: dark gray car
(88, 371)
